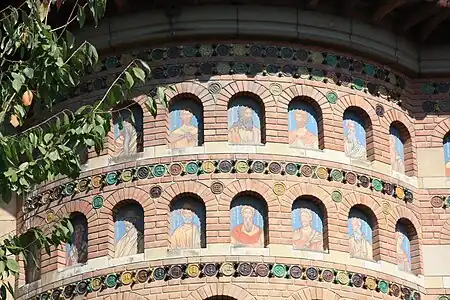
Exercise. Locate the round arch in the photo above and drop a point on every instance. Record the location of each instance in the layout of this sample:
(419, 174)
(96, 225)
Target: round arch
(220, 289)
(314, 293)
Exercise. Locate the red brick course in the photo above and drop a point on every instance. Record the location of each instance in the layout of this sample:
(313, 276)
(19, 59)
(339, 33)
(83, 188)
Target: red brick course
(426, 225)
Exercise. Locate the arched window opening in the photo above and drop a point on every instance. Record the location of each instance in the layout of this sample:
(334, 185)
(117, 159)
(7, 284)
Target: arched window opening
(186, 122)
(32, 260)
(128, 229)
(407, 246)
(309, 228)
(248, 219)
(305, 124)
(246, 124)
(447, 154)
(220, 298)
(358, 139)
(360, 233)
(128, 130)
(400, 149)
(187, 223)
(77, 249)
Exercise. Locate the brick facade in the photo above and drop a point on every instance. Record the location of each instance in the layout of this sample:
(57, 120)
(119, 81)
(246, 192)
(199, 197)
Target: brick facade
(425, 224)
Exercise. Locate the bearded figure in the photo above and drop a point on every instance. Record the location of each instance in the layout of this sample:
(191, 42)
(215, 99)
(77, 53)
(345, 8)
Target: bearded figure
(306, 237)
(247, 234)
(243, 131)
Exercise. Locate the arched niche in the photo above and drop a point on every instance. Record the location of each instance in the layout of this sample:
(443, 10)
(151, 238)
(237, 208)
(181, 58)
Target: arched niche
(220, 298)
(187, 223)
(127, 129)
(407, 246)
(246, 120)
(362, 227)
(248, 221)
(77, 249)
(309, 227)
(32, 260)
(305, 124)
(358, 140)
(128, 229)
(400, 148)
(186, 127)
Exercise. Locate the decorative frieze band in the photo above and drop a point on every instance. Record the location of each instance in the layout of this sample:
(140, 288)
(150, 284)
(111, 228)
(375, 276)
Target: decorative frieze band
(229, 269)
(198, 167)
(224, 59)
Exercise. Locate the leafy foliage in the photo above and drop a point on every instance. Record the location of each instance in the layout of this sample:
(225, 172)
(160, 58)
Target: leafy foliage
(44, 64)
(38, 65)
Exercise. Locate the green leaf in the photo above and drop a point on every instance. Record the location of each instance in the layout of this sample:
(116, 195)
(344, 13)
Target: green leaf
(54, 155)
(20, 110)
(150, 103)
(12, 265)
(115, 95)
(70, 39)
(17, 84)
(2, 267)
(42, 150)
(139, 73)
(23, 166)
(161, 96)
(92, 52)
(145, 66)
(48, 137)
(129, 81)
(12, 174)
(33, 139)
(81, 16)
(23, 182)
(28, 72)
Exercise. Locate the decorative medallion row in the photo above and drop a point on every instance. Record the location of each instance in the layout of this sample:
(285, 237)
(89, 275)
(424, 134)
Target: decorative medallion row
(223, 59)
(228, 269)
(440, 201)
(198, 167)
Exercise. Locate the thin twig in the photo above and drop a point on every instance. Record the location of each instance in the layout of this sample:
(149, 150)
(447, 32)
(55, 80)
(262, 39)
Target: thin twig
(69, 20)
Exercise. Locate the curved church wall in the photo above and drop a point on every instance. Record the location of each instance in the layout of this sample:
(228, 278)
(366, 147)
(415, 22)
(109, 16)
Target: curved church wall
(279, 170)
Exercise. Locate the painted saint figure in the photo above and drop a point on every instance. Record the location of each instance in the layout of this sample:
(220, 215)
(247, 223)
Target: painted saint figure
(354, 147)
(397, 151)
(76, 251)
(125, 136)
(247, 234)
(307, 237)
(244, 130)
(129, 233)
(183, 135)
(185, 229)
(360, 243)
(403, 252)
(300, 136)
